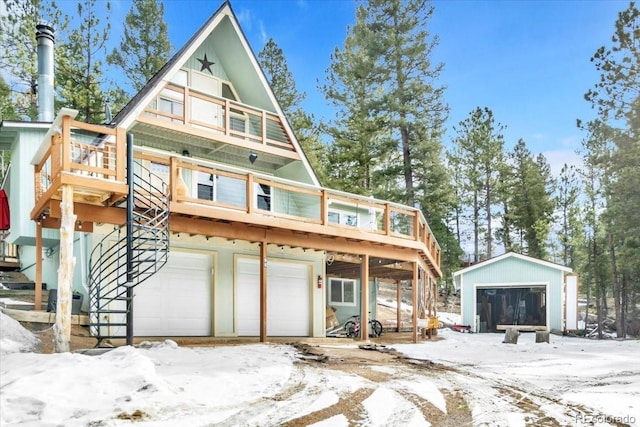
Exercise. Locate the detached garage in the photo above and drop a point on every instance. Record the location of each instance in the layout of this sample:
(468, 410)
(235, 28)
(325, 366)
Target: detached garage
(514, 290)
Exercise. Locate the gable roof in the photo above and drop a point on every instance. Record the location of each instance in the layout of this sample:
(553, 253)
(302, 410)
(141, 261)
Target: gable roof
(127, 116)
(513, 255)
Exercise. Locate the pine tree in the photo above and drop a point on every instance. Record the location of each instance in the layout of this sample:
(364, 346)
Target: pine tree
(356, 149)
(568, 191)
(387, 139)
(145, 45)
(7, 111)
(616, 97)
(80, 74)
(283, 84)
(479, 154)
(533, 205)
(18, 56)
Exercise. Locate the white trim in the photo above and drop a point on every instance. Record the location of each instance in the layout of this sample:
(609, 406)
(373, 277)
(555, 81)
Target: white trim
(518, 256)
(342, 303)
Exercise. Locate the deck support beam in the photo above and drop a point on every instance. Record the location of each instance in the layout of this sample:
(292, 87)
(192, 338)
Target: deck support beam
(263, 291)
(62, 327)
(37, 298)
(414, 289)
(364, 296)
(398, 306)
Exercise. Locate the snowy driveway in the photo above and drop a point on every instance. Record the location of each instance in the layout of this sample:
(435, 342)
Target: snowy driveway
(476, 380)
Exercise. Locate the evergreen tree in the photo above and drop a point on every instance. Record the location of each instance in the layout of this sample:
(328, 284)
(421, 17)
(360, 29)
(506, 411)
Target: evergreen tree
(533, 206)
(568, 191)
(356, 149)
(18, 56)
(80, 74)
(616, 97)
(145, 45)
(479, 155)
(387, 138)
(7, 111)
(283, 84)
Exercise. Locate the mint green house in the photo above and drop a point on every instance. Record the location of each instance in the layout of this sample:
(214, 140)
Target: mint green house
(196, 211)
(514, 290)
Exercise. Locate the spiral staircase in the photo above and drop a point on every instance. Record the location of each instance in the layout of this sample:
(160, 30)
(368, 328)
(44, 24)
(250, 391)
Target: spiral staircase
(128, 256)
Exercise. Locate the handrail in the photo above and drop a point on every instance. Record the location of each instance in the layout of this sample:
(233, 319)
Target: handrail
(85, 149)
(262, 126)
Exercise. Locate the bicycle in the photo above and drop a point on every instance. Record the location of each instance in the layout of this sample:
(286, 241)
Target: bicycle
(352, 327)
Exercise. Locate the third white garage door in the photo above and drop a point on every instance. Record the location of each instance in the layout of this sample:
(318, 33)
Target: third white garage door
(288, 298)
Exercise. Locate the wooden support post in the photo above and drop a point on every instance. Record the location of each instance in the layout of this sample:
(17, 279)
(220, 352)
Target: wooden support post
(414, 289)
(399, 305)
(263, 291)
(62, 327)
(364, 317)
(37, 299)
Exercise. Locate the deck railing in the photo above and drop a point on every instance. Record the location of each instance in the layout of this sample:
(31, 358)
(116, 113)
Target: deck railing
(95, 155)
(187, 106)
(86, 150)
(200, 182)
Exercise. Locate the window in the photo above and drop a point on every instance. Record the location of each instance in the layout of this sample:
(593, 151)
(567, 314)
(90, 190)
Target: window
(263, 197)
(205, 186)
(342, 292)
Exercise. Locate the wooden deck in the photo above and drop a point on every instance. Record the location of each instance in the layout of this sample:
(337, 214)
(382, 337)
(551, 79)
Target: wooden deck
(91, 159)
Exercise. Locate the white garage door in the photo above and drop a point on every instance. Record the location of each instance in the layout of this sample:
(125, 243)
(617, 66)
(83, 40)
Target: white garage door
(288, 298)
(176, 301)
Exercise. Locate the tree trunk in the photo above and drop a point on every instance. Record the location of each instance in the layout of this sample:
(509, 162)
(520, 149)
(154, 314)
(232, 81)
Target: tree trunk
(616, 290)
(62, 327)
(476, 228)
(599, 299)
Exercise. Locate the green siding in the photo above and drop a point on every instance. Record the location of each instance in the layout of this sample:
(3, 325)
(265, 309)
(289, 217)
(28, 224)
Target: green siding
(21, 197)
(513, 271)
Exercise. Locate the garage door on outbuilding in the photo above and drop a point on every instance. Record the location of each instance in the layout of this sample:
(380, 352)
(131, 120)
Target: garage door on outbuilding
(177, 300)
(288, 298)
(515, 290)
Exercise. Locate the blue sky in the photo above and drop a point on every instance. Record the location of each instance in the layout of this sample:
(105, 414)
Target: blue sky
(529, 61)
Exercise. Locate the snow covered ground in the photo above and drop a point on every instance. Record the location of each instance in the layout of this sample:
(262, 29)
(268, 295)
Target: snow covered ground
(567, 382)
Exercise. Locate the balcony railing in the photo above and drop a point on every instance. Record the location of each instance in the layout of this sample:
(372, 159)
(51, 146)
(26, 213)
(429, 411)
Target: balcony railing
(183, 105)
(92, 157)
(204, 183)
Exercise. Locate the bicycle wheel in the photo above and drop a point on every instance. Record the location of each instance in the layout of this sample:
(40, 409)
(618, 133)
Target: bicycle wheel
(350, 328)
(376, 328)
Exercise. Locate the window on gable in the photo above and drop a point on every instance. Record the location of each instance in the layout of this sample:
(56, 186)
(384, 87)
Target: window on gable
(342, 292)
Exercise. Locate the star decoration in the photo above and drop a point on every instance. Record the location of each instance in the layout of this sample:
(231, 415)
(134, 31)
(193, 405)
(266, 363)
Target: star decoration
(206, 64)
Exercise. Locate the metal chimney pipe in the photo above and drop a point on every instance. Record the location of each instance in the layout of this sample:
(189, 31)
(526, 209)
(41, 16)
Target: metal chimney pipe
(45, 38)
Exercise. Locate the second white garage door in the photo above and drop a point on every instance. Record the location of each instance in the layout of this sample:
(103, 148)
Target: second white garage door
(176, 301)
(288, 298)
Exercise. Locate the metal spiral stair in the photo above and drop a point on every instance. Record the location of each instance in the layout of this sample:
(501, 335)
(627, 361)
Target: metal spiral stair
(113, 272)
